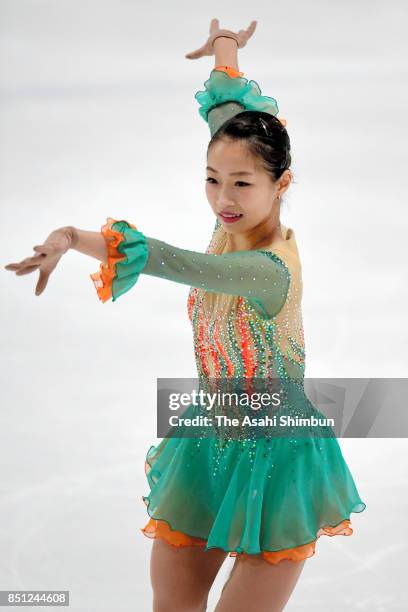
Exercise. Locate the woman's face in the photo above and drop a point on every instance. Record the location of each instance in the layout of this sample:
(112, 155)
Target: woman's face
(237, 183)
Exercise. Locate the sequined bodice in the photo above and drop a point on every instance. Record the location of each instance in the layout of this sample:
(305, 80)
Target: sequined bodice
(231, 339)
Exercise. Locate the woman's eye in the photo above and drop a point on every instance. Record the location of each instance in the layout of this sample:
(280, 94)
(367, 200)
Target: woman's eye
(242, 183)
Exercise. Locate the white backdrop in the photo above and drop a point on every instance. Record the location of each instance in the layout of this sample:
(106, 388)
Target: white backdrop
(98, 118)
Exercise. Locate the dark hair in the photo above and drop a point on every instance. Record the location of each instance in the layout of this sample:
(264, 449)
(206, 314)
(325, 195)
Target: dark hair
(265, 136)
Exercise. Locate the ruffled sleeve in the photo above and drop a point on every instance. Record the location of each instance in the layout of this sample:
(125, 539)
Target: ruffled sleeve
(127, 256)
(227, 93)
(261, 277)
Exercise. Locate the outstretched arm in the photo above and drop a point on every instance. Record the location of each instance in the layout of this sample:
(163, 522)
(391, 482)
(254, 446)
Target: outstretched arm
(124, 252)
(260, 276)
(58, 242)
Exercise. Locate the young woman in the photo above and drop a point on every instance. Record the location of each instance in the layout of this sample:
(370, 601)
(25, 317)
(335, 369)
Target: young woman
(265, 501)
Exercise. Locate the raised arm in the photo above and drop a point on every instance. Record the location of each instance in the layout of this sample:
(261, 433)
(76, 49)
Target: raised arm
(226, 55)
(227, 91)
(226, 61)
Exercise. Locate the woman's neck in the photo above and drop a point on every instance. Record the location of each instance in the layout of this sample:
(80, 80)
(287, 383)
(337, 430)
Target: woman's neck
(255, 238)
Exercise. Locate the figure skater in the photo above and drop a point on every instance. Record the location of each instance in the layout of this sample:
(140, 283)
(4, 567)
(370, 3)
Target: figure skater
(264, 501)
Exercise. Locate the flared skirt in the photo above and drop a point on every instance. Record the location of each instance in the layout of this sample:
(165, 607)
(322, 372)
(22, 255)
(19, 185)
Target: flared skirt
(269, 497)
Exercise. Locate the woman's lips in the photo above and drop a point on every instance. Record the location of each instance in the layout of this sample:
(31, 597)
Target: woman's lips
(229, 219)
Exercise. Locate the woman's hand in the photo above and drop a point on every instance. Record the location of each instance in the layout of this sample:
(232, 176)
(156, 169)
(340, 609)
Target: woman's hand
(240, 37)
(47, 257)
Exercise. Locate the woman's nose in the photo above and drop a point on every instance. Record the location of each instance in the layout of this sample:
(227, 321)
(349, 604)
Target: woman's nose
(225, 198)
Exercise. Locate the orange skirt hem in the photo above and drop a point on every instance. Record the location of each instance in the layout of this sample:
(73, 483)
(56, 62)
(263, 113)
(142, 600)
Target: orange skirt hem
(156, 528)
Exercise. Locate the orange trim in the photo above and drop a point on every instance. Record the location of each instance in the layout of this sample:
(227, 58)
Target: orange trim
(160, 529)
(299, 553)
(232, 72)
(107, 272)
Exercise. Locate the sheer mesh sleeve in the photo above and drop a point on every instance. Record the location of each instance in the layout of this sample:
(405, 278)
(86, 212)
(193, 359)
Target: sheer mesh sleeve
(227, 93)
(218, 115)
(260, 276)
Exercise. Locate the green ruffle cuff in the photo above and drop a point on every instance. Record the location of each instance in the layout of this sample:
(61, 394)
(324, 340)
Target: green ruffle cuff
(127, 256)
(242, 94)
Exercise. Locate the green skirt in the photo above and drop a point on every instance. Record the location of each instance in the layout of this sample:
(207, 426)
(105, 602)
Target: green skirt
(271, 497)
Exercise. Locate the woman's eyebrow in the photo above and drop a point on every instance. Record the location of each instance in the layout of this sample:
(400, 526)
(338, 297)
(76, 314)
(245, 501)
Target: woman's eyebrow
(231, 173)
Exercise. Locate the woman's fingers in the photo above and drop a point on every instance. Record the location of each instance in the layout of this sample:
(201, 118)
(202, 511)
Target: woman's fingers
(251, 28)
(207, 48)
(196, 54)
(35, 259)
(17, 266)
(243, 35)
(29, 265)
(27, 269)
(42, 282)
(46, 258)
(214, 25)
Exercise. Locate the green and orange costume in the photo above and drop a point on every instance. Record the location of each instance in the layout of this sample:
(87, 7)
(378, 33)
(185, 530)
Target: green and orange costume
(273, 496)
